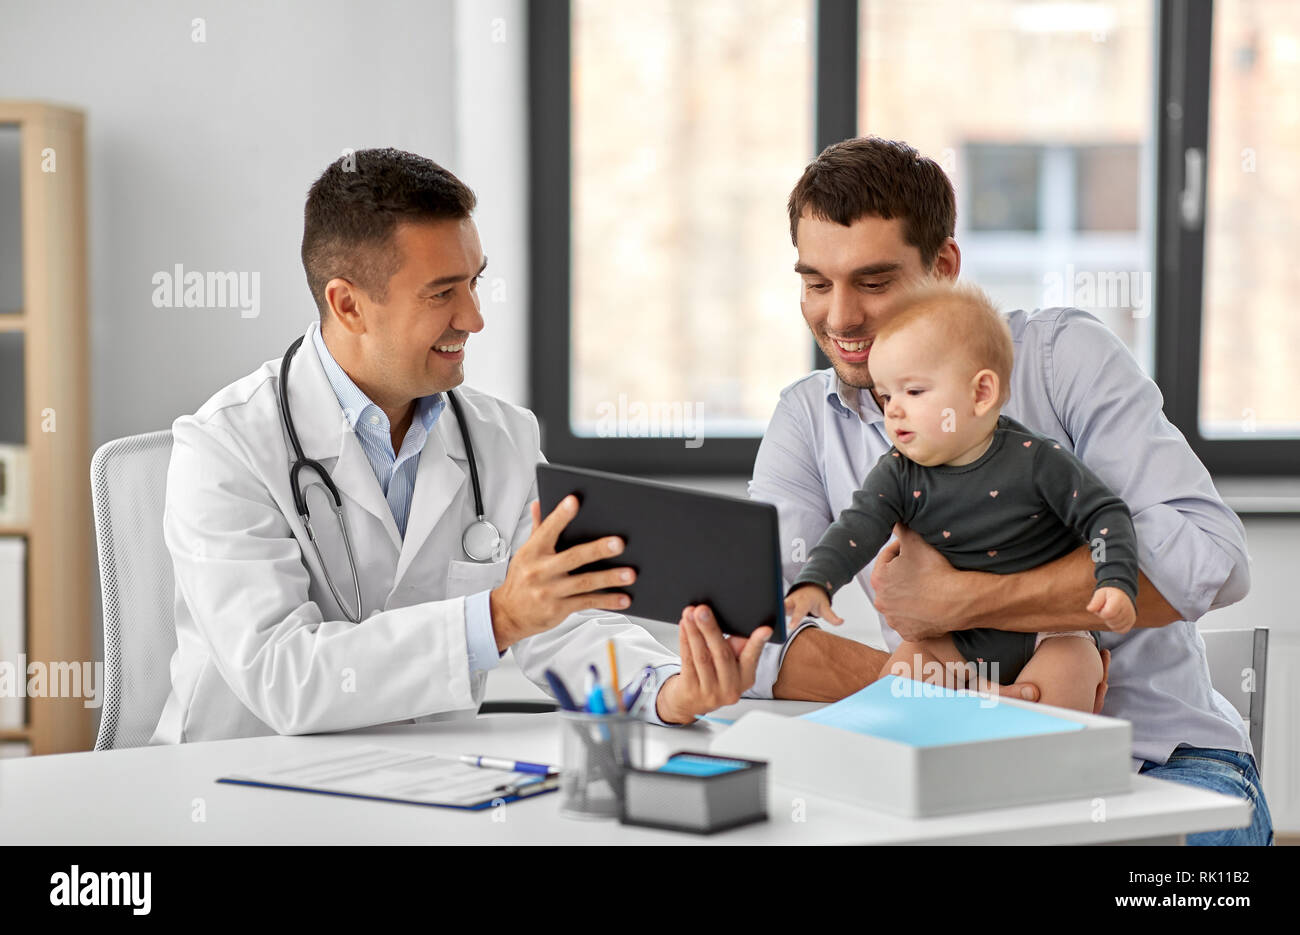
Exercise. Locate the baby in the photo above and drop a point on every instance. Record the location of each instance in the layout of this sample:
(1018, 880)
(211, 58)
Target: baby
(982, 489)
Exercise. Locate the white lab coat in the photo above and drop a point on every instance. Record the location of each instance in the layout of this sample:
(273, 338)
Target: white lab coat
(263, 648)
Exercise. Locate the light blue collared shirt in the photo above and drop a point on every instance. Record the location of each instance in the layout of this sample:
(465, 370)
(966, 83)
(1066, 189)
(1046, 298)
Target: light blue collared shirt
(1075, 381)
(396, 472)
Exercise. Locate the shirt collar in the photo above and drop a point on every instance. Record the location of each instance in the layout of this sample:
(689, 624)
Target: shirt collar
(355, 403)
(852, 400)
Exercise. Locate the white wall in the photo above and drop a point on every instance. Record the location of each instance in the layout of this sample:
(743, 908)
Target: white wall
(491, 155)
(202, 154)
(1274, 546)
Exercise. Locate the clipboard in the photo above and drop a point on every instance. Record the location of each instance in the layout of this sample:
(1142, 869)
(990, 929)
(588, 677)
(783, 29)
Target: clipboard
(399, 776)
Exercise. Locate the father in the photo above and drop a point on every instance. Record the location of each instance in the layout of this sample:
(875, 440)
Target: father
(869, 217)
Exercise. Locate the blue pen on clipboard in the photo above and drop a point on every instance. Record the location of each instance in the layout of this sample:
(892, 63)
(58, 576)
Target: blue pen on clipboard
(514, 766)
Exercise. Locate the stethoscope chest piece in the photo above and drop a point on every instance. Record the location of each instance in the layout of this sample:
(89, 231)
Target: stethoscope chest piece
(481, 541)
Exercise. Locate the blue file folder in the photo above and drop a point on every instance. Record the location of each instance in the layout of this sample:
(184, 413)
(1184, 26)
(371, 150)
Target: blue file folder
(922, 715)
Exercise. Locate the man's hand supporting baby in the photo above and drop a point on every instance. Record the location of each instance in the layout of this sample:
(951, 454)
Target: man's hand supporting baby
(921, 596)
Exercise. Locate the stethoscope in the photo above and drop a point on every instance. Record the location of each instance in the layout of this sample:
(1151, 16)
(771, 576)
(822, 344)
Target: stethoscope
(481, 540)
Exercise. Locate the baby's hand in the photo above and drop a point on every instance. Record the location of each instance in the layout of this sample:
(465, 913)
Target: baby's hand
(1114, 608)
(810, 599)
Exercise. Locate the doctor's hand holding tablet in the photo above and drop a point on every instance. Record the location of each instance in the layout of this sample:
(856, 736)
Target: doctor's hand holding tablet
(539, 592)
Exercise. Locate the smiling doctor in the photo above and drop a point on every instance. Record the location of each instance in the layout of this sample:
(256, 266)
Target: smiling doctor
(437, 561)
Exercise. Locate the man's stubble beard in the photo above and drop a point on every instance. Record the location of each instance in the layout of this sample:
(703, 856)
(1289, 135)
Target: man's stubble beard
(866, 384)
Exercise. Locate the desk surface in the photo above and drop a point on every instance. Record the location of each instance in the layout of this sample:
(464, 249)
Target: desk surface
(152, 795)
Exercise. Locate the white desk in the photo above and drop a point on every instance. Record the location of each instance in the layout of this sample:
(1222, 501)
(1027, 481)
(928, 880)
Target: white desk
(149, 795)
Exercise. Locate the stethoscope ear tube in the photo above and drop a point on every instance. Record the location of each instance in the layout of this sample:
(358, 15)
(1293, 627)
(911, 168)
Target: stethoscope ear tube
(302, 463)
(481, 540)
(295, 485)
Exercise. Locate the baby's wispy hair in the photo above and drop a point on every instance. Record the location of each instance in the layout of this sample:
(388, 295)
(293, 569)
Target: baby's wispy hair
(966, 318)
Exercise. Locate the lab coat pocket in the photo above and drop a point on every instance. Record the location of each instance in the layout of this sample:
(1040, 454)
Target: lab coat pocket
(472, 577)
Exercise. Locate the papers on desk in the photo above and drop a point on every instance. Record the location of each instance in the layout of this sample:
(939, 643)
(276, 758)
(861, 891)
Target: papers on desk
(368, 772)
(918, 750)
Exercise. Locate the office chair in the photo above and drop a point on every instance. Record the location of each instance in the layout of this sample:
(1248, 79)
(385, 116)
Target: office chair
(128, 484)
(1230, 653)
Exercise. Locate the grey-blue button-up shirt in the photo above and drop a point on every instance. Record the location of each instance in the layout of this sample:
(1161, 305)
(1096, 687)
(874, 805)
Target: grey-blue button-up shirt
(1075, 381)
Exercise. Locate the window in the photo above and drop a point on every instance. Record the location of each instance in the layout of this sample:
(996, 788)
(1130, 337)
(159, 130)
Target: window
(1228, 202)
(1042, 114)
(1124, 156)
(1005, 185)
(683, 322)
(1107, 190)
(1250, 329)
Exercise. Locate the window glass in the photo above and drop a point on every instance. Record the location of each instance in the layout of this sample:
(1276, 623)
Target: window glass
(691, 123)
(1250, 333)
(1042, 115)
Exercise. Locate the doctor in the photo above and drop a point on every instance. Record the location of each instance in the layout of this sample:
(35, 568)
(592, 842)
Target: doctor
(443, 577)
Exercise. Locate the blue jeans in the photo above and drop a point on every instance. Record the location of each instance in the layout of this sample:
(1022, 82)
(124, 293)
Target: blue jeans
(1225, 771)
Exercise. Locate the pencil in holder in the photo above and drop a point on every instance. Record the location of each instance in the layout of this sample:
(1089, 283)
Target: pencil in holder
(596, 751)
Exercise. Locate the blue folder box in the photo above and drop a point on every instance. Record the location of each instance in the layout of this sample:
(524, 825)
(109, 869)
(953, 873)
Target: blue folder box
(919, 750)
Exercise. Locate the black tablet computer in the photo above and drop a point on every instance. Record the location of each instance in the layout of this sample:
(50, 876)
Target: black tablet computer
(687, 547)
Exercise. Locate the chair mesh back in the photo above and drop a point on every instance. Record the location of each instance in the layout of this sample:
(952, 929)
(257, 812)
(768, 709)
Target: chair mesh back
(128, 481)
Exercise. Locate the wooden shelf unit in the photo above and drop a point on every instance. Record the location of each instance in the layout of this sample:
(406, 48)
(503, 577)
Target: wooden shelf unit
(54, 323)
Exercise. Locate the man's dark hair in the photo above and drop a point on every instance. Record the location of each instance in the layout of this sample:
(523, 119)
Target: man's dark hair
(872, 177)
(353, 209)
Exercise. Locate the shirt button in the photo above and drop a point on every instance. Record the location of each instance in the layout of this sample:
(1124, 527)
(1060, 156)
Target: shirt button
(374, 420)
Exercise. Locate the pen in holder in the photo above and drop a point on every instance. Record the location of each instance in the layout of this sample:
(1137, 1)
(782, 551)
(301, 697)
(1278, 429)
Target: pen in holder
(596, 750)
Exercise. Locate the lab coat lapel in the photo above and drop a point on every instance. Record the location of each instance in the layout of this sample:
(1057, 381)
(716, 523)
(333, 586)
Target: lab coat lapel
(438, 482)
(355, 478)
(325, 435)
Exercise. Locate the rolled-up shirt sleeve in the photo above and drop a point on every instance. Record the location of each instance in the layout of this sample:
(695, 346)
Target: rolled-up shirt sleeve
(650, 709)
(1191, 545)
(786, 475)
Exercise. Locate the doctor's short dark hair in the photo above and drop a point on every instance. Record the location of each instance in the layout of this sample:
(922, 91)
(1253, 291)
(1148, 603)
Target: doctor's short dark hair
(873, 177)
(353, 210)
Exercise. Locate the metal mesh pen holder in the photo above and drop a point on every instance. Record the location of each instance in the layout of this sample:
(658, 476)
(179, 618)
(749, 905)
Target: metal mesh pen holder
(596, 751)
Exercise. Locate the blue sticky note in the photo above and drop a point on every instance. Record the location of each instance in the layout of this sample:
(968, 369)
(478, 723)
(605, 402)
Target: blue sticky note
(688, 765)
(923, 715)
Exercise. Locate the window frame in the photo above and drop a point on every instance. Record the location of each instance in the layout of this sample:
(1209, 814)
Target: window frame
(1186, 37)
(550, 242)
(1181, 123)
